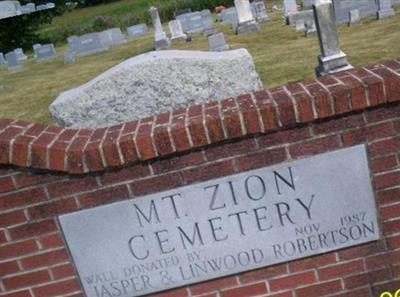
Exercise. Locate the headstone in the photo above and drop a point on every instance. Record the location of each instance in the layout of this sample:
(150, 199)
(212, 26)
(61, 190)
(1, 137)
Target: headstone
(69, 57)
(246, 21)
(230, 15)
(41, 7)
(20, 54)
(31, 7)
(137, 30)
(354, 17)
(182, 11)
(13, 61)
(303, 15)
(160, 38)
(9, 9)
(300, 26)
(307, 4)
(184, 19)
(332, 59)
(208, 21)
(290, 7)
(310, 28)
(2, 59)
(112, 36)
(342, 8)
(175, 28)
(86, 44)
(260, 11)
(45, 52)
(217, 42)
(50, 5)
(228, 225)
(384, 9)
(156, 82)
(195, 22)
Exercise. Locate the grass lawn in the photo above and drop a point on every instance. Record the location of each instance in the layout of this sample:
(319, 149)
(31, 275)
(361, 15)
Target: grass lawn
(281, 55)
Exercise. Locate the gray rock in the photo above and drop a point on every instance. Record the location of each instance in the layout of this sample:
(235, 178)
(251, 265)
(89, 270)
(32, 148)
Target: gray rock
(156, 82)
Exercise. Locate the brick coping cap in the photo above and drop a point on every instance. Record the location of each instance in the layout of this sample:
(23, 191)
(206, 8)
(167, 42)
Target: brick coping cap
(78, 151)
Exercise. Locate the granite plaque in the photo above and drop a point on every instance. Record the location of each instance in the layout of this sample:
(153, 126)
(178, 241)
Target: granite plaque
(224, 226)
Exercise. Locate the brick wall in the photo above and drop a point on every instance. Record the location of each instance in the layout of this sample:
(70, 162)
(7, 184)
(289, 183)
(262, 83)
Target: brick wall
(46, 171)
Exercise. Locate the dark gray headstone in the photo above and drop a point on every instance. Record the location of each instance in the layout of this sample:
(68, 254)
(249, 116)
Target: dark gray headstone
(137, 30)
(342, 8)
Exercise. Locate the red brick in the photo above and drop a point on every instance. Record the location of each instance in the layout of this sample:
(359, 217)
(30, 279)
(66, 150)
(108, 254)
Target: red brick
(261, 158)
(179, 133)
(246, 291)
(315, 146)
(383, 260)
(52, 208)
(341, 95)
(63, 271)
(232, 124)
(357, 98)
(390, 212)
(22, 198)
(214, 124)
(6, 184)
(3, 238)
(7, 268)
(304, 106)
(72, 186)
(286, 109)
(67, 134)
(56, 289)
(390, 286)
(320, 289)
(292, 281)
(129, 173)
(177, 163)
(380, 114)
(12, 218)
(368, 133)
(367, 278)
(268, 110)
(322, 99)
(216, 284)
(384, 163)
(283, 137)
(104, 196)
(35, 130)
(384, 147)
(262, 274)
(391, 227)
(20, 149)
(249, 113)
(364, 292)
(393, 242)
(391, 81)
(162, 140)
(327, 80)
(339, 124)
(231, 149)
(75, 154)
(389, 196)
(39, 150)
(340, 270)
(24, 293)
(144, 142)
(361, 250)
(387, 180)
(208, 171)
(45, 259)
(98, 134)
(312, 262)
(111, 150)
(17, 249)
(57, 153)
(51, 241)
(26, 279)
(197, 131)
(33, 229)
(128, 149)
(155, 184)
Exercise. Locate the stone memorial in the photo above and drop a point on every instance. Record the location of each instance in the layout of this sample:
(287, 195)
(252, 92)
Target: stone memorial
(9, 9)
(195, 22)
(208, 22)
(224, 226)
(41, 7)
(342, 8)
(50, 5)
(300, 26)
(290, 7)
(112, 37)
(137, 30)
(384, 9)
(182, 11)
(86, 44)
(217, 42)
(260, 11)
(13, 61)
(69, 57)
(176, 30)
(45, 52)
(156, 82)
(303, 16)
(2, 59)
(332, 59)
(246, 21)
(354, 17)
(161, 40)
(20, 54)
(310, 28)
(184, 19)
(307, 4)
(230, 15)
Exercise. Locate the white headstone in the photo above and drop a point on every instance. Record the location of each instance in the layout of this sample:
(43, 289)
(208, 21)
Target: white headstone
(175, 28)
(160, 38)
(246, 20)
(260, 11)
(354, 16)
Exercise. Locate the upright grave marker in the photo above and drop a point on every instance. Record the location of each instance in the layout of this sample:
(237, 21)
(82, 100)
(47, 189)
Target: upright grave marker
(384, 9)
(246, 20)
(44, 52)
(13, 61)
(224, 226)
(137, 30)
(160, 38)
(260, 11)
(331, 59)
(176, 30)
(217, 42)
(342, 8)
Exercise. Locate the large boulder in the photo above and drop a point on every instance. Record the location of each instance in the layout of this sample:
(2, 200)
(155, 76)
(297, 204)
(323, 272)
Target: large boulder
(156, 82)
